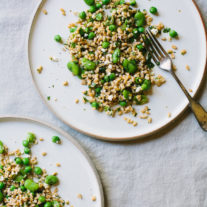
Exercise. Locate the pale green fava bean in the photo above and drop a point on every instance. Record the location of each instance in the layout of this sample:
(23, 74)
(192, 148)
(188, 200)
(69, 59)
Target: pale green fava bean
(116, 55)
(74, 68)
(88, 65)
(31, 185)
(2, 149)
(51, 180)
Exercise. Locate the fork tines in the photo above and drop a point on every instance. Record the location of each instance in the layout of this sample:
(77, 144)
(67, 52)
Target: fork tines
(153, 46)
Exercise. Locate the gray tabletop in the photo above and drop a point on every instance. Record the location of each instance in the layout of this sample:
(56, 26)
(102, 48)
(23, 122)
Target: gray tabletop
(169, 170)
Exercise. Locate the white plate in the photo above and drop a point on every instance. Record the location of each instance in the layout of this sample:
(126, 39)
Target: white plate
(77, 173)
(168, 98)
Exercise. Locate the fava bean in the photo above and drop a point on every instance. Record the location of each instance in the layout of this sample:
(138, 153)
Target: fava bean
(74, 68)
(116, 55)
(88, 65)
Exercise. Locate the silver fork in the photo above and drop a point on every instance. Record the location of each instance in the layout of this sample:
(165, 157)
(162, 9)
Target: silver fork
(163, 61)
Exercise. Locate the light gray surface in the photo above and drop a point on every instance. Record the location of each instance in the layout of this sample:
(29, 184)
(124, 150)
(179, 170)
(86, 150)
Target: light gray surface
(169, 171)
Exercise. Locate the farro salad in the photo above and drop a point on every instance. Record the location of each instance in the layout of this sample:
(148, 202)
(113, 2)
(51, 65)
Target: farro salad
(22, 182)
(109, 56)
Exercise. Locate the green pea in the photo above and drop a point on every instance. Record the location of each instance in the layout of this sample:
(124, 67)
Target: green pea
(27, 169)
(140, 47)
(144, 99)
(95, 105)
(73, 29)
(19, 178)
(51, 180)
(91, 35)
(138, 80)
(98, 89)
(27, 150)
(38, 171)
(88, 65)
(153, 10)
(2, 185)
(126, 94)
(105, 44)
(141, 29)
(1, 196)
(56, 139)
(12, 188)
(48, 204)
(173, 33)
(82, 15)
(135, 31)
(139, 15)
(92, 9)
(122, 2)
(98, 5)
(30, 185)
(106, 78)
(140, 23)
(2, 149)
(74, 68)
(146, 85)
(116, 55)
(125, 64)
(18, 160)
(73, 44)
(56, 204)
(112, 27)
(132, 68)
(89, 2)
(25, 143)
(22, 188)
(42, 199)
(81, 32)
(133, 2)
(57, 38)
(105, 2)
(99, 16)
(123, 103)
(31, 137)
(112, 76)
(25, 161)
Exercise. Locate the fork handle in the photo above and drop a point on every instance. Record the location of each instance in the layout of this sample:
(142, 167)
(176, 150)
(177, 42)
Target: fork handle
(197, 109)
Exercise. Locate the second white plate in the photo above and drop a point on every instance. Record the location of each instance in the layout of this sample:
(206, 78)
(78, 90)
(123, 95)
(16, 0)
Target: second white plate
(182, 16)
(77, 174)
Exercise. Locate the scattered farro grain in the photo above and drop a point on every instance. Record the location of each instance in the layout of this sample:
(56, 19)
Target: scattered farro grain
(39, 69)
(169, 114)
(58, 164)
(163, 38)
(93, 198)
(174, 47)
(187, 67)
(44, 153)
(170, 51)
(77, 101)
(80, 196)
(65, 83)
(63, 12)
(41, 139)
(149, 120)
(45, 11)
(190, 90)
(183, 52)
(172, 56)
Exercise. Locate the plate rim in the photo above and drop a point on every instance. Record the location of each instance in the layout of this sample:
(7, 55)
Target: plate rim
(108, 138)
(69, 138)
